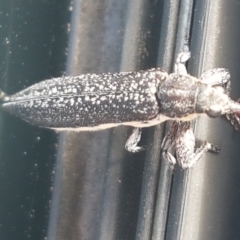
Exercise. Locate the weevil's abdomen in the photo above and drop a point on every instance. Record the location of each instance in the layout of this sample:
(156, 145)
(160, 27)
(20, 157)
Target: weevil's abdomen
(89, 100)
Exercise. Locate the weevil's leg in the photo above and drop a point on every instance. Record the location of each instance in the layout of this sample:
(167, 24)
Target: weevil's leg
(185, 144)
(217, 76)
(168, 142)
(179, 66)
(131, 144)
(169, 139)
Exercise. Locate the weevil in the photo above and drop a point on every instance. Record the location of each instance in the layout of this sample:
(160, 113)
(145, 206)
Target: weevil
(140, 99)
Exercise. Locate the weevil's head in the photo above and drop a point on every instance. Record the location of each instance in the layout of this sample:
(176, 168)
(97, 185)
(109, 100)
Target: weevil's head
(214, 101)
(183, 96)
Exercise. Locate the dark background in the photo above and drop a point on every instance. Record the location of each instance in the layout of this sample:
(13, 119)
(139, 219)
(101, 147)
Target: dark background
(85, 185)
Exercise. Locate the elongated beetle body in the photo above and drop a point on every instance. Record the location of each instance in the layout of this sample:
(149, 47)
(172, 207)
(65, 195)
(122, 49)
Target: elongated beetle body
(139, 99)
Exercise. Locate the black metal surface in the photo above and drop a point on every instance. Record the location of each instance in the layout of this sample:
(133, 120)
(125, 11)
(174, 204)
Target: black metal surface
(99, 190)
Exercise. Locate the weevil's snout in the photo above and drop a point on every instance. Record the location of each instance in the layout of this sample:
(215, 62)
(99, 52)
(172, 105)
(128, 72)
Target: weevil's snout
(234, 107)
(214, 101)
(234, 116)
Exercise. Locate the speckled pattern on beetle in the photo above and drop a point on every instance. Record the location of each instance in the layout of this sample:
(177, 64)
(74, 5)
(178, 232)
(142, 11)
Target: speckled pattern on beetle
(89, 100)
(140, 99)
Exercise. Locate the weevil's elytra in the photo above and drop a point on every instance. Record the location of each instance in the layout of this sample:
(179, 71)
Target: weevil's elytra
(141, 99)
(89, 100)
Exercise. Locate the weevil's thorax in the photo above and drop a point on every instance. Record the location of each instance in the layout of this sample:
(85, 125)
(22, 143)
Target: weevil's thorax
(177, 96)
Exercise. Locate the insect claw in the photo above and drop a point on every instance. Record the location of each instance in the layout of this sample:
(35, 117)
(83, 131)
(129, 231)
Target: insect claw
(136, 149)
(142, 148)
(183, 57)
(213, 148)
(131, 144)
